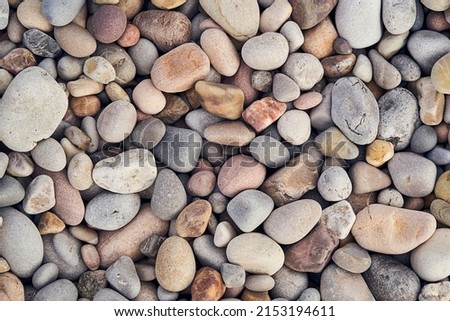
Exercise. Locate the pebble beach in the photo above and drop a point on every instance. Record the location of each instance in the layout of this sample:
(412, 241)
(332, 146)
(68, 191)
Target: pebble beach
(224, 150)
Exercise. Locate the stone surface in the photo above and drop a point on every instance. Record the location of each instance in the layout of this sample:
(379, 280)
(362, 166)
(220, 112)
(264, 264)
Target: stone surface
(284, 88)
(293, 34)
(309, 13)
(207, 285)
(232, 275)
(264, 112)
(294, 126)
(122, 276)
(435, 292)
(338, 65)
(148, 133)
(99, 69)
(91, 283)
(207, 253)
(12, 192)
(390, 196)
(256, 253)
(289, 284)
(352, 258)
(75, 40)
(107, 294)
(304, 68)
(41, 44)
(79, 171)
(223, 234)
(108, 23)
(273, 17)
(431, 102)
(59, 290)
(385, 74)
(389, 280)
(389, 230)
(269, 151)
(121, 61)
(439, 74)
(175, 264)
(50, 223)
(441, 211)
(332, 143)
(339, 218)
(398, 17)
(319, 39)
(40, 195)
(202, 183)
(193, 219)
(11, 287)
(334, 184)
(60, 13)
(46, 274)
(116, 121)
(367, 178)
(49, 154)
(407, 67)
(4, 16)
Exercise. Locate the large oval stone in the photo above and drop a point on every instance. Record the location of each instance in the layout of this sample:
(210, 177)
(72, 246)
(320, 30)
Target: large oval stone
(390, 230)
(31, 109)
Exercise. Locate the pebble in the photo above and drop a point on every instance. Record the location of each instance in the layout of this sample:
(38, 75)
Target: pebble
(313, 252)
(148, 133)
(440, 5)
(269, 151)
(240, 19)
(225, 101)
(169, 196)
(354, 110)
(390, 196)
(59, 13)
(116, 121)
(207, 253)
(309, 13)
(342, 46)
(233, 275)
(360, 24)
(439, 155)
(294, 126)
(413, 175)
(179, 149)
(41, 44)
(4, 160)
(339, 218)
(202, 183)
(338, 65)
(193, 219)
(289, 183)
(332, 143)
(175, 264)
(24, 255)
(12, 192)
(398, 18)
(77, 137)
(426, 47)
(239, 173)
(259, 283)
(75, 40)
(130, 36)
(310, 294)
(148, 98)
(435, 292)
(385, 74)
(164, 295)
(168, 4)
(363, 68)
(110, 211)
(284, 88)
(256, 253)
(293, 34)
(91, 283)
(289, 284)
(152, 25)
(389, 280)
(207, 285)
(337, 284)
(143, 62)
(304, 68)
(221, 51)
(50, 223)
(12, 287)
(5, 80)
(262, 80)
(39, 116)
(79, 171)
(126, 241)
(59, 290)
(122, 277)
(30, 16)
(121, 61)
(391, 44)
(114, 173)
(249, 209)
(308, 100)
(108, 294)
(431, 102)
(267, 51)
(319, 40)
(405, 229)
(407, 67)
(39, 196)
(4, 16)
(334, 184)
(84, 233)
(99, 69)
(175, 109)
(367, 178)
(264, 112)
(292, 222)
(108, 23)
(46, 274)
(441, 211)
(439, 74)
(17, 60)
(352, 258)
(224, 234)
(85, 106)
(20, 165)
(49, 155)
(90, 256)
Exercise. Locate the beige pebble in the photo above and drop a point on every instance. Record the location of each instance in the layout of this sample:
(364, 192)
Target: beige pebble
(379, 152)
(77, 137)
(116, 92)
(75, 40)
(12, 287)
(20, 165)
(4, 266)
(69, 149)
(39, 196)
(99, 69)
(202, 183)
(275, 16)
(84, 233)
(50, 223)
(116, 121)
(308, 100)
(90, 256)
(231, 133)
(148, 98)
(319, 39)
(84, 87)
(29, 13)
(167, 4)
(79, 171)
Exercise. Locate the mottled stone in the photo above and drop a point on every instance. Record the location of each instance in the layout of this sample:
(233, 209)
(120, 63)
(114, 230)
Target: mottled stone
(332, 143)
(193, 219)
(41, 44)
(338, 65)
(207, 285)
(319, 40)
(262, 113)
(304, 68)
(441, 211)
(339, 218)
(50, 223)
(232, 275)
(334, 184)
(92, 282)
(40, 195)
(309, 13)
(435, 292)
(121, 61)
(11, 287)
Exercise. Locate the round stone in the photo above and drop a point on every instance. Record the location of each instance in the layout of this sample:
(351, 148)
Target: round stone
(284, 88)
(75, 40)
(45, 275)
(108, 23)
(40, 195)
(379, 152)
(144, 54)
(79, 171)
(122, 276)
(439, 74)
(367, 178)
(269, 151)
(148, 133)
(398, 17)
(193, 219)
(12, 192)
(407, 67)
(148, 98)
(60, 13)
(293, 34)
(99, 69)
(202, 183)
(116, 121)
(304, 68)
(207, 285)
(49, 155)
(289, 284)
(352, 258)
(294, 126)
(390, 196)
(332, 143)
(334, 184)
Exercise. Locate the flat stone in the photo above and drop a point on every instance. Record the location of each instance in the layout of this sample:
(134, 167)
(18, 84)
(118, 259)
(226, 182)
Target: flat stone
(313, 252)
(289, 284)
(64, 245)
(339, 218)
(389, 280)
(249, 209)
(390, 44)
(193, 219)
(169, 196)
(352, 258)
(40, 195)
(367, 178)
(60, 13)
(207, 253)
(240, 19)
(175, 264)
(334, 184)
(390, 230)
(75, 40)
(239, 173)
(79, 171)
(267, 51)
(413, 175)
(431, 102)
(179, 149)
(41, 44)
(45, 275)
(439, 74)
(222, 100)
(441, 211)
(232, 275)
(99, 69)
(354, 110)
(59, 290)
(269, 151)
(20, 165)
(291, 182)
(12, 192)
(435, 292)
(337, 284)
(342, 46)
(169, 76)
(309, 13)
(304, 68)
(129, 172)
(264, 112)
(49, 155)
(207, 285)
(292, 222)
(256, 253)
(262, 80)
(332, 143)
(143, 62)
(122, 276)
(308, 100)
(24, 254)
(20, 119)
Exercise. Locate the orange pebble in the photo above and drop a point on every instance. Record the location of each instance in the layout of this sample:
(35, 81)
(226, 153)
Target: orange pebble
(130, 37)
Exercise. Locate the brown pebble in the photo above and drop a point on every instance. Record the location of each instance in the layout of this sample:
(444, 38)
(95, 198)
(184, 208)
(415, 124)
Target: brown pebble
(436, 21)
(414, 203)
(202, 183)
(174, 109)
(243, 79)
(17, 60)
(442, 132)
(207, 285)
(338, 65)
(130, 36)
(264, 112)
(108, 23)
(248, 295)
(193, 219)
(49, 223)
(342, 46)
(85, 106)
(319, 39)
(203, 165)
(90, 256)
(12, 288)
(308, 100)
(149, 247)
(376, 90)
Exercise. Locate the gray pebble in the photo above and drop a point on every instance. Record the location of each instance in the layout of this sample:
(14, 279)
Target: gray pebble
(89, 126)
(59, 290)
(262, 80)
(144, 55)
(169, 195)
(60, 12)
(232, 275)
(20, 165)
(398, 17)
(289, 284)
(207, 253)
(310, 294)
(70, 68)
(46, 274)
(122, 276)
(269, 151)
(439, 155)
(41, 44)
(148, 133)
(420, 17)
(50, 155)
(384, 73)
(49, 64)
(321, 114)
(5, 80)
(293, 34)
(149, 247)
(259, 283)
(110, 211)
(334, 184)
(389, 280)
(284, 88)
(64, 245)
(304, 68)
(199, 119)
(145, 271)
(107, 294)
(390, 196)
(352, 258)
(11, 191)
(408, 68)
(218, 202)
(165, 295)
(435, 292)
(4, 14)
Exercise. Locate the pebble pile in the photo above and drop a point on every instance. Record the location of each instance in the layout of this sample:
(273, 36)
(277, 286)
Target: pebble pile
(224, 150)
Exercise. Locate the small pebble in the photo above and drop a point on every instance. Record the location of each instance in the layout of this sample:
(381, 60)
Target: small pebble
(352, 258)
(334, 184)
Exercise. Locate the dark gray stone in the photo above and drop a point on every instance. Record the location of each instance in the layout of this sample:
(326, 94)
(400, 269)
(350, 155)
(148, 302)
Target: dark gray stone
(423, 139)
(407, 67)
(207, 253)
(91, 282)
(123, 277)
(41, 44)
